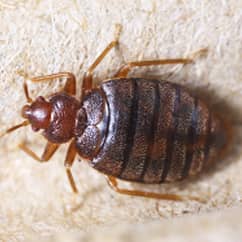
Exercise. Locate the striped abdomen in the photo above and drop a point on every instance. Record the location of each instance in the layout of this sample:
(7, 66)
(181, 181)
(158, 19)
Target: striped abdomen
(154, 131)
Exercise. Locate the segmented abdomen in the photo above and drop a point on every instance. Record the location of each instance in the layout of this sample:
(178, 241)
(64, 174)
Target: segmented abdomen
(156, 132)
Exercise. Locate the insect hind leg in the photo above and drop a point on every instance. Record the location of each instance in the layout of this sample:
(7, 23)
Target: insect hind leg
(163, 196)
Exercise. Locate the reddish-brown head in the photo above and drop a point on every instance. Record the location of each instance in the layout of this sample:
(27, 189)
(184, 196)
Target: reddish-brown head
(56, 116)
(38, 113)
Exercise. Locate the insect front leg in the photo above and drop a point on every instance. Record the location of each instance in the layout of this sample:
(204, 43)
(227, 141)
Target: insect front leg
(49, 151)
(70, 85)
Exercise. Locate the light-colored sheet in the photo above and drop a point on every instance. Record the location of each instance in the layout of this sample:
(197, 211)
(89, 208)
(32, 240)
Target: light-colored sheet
(44, 37)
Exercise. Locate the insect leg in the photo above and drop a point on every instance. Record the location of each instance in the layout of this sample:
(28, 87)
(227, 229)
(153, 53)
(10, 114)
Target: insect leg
(70, 156)
(26, 93)
(70, 86)
(49, 151)
(124, 70)
(114, 185)
(87, 81)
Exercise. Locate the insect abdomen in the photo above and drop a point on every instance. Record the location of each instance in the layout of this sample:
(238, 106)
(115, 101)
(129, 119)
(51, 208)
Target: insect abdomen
(156, 132)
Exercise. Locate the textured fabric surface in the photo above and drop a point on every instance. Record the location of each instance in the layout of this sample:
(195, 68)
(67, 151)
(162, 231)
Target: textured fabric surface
(41, 37)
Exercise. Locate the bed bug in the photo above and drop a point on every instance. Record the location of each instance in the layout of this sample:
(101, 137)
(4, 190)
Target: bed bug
(133, 129)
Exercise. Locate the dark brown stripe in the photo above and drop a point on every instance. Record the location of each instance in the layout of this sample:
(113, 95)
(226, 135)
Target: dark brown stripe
(132, 125)
(153, 129)
(171, 133)
(191, 140)
(208, 139)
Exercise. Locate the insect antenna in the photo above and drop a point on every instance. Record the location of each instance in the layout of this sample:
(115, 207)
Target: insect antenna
(24, 123)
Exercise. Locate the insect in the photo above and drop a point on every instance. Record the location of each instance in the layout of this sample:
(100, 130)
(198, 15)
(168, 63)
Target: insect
(134, 129)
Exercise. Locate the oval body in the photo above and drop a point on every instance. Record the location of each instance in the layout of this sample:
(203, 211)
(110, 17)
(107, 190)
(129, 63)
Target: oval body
(148, 131)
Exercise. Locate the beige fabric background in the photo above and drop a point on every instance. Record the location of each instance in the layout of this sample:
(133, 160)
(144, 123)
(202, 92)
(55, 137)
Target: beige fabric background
(43, 37)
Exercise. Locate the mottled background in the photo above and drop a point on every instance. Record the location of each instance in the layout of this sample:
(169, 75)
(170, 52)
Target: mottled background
(42, 37)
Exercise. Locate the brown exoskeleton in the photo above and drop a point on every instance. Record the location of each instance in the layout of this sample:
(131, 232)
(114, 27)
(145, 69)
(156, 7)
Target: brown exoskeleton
(133, 129)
